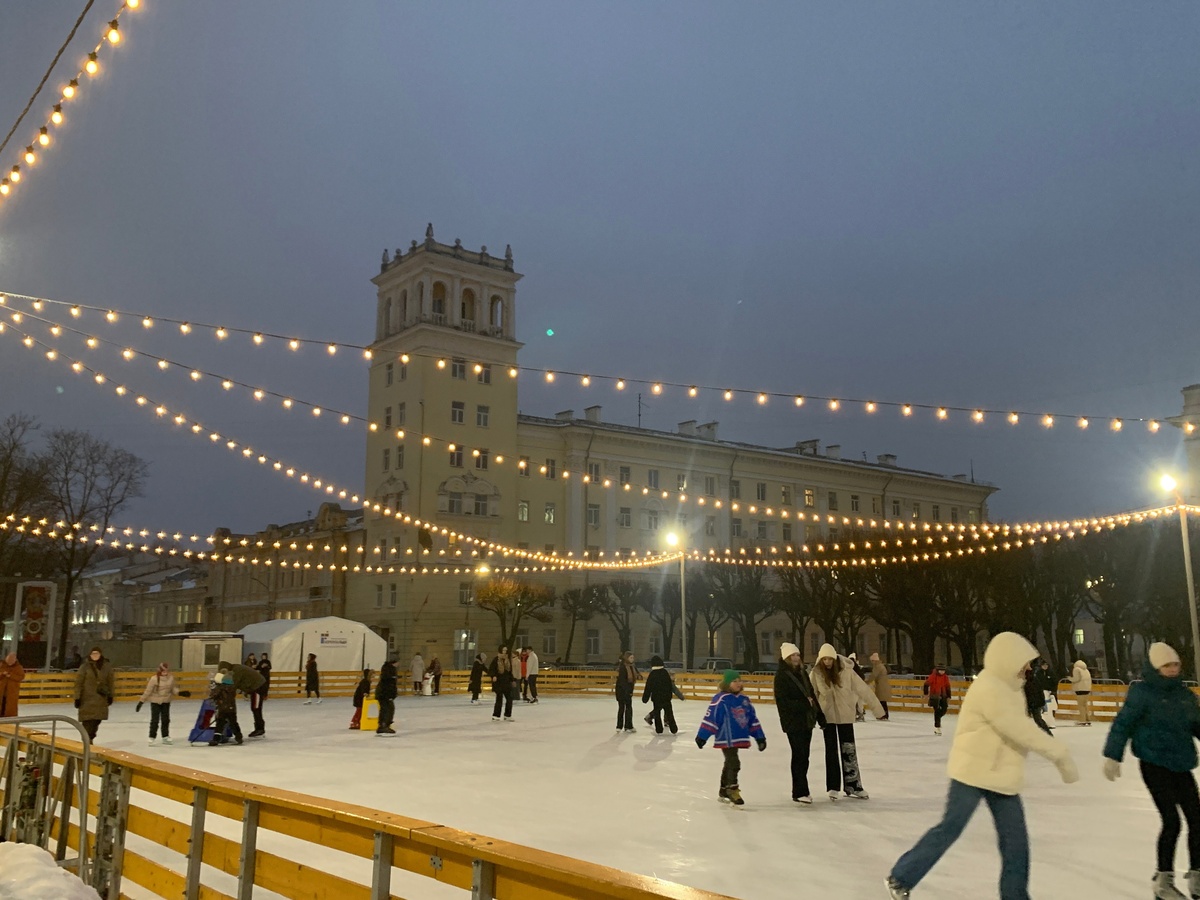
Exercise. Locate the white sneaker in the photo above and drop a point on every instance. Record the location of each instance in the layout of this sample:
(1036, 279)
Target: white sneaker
(833, 796)
(153, 741)
(167, 740)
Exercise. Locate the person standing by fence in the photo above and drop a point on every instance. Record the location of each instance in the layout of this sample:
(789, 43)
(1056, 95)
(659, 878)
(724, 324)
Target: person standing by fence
(881, 683)
(360, 697)
(416, 671)
(475, 682)
(531, 674)
(937, 689)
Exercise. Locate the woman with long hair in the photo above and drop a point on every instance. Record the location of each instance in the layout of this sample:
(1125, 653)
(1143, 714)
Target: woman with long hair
(160, 690)
(839, 690)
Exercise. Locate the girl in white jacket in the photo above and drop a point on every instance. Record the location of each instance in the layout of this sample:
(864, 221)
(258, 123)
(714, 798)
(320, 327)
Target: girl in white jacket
(160, 690)
(839, 690)
(987, 763)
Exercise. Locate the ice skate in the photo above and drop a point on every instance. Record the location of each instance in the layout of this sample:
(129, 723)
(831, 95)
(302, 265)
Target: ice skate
(308, 703)
(732, 795)
(647, 717)
(860, 794)
(938, 732)
(167, 740)
(238, 740)
(1193, 883)
(153, 741)
(806, 800)
(495, 718)
(895, 891)
(631, 731)
(508, 718)
(1164, 887)
(318, 699)
(833, 796)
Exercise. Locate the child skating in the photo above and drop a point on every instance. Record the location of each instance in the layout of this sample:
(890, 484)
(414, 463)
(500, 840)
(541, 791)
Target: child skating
(731, 722)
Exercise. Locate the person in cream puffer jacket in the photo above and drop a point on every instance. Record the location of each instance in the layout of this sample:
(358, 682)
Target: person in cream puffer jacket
(1081, 684)
(987, 763)
(839, 690)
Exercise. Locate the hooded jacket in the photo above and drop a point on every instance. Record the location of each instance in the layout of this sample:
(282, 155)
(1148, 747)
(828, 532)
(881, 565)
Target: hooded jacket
(838, 700)
(1162, 718)
(994, 732)
(881, 681)
(475, 682)
(245, 679)
(362, 691)
(94, 689)
(160, 688)
(659, 686)
(1081, 678)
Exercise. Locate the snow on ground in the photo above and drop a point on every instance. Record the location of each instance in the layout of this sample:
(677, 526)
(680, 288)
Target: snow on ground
(30, 873)
(560, 778)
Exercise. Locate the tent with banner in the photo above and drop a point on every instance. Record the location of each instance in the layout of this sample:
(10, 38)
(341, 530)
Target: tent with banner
(341, 645)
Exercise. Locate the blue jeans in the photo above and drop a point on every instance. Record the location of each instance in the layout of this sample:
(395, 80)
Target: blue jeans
(961, 802)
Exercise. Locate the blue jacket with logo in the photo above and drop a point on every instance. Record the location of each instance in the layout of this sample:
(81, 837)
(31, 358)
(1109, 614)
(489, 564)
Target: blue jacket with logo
(1162, 717)
(730, 721)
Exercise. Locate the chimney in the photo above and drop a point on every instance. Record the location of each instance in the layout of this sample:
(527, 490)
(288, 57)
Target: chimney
(592, 413)
(809, 448)
(833, 451)
(565, 415)
(708, 431)
(886, 459)
(688, 427)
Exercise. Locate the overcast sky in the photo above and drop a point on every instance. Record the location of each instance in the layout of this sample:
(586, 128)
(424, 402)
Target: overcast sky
(967, 204)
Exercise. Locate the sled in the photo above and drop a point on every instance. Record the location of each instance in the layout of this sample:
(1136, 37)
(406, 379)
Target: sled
(202, 732)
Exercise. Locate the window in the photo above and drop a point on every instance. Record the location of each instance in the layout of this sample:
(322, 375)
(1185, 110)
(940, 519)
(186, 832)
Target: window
(810, 498)
(387, 459)
(593, 551)
(710, 485)
(466, 596)
(916, 511)
(785, 495)
(766, 644)
(593, 642)
(482, 415)
(383, 549)
(388, 374)
(481, 504)
(399, 456)
(457, 412)
(833, 534)
(735, 489)
(523, 466)
(896, 509)
(403, 373)
(625, 517)
(814, 644)
(484, 375)
(593, 515)
(623, 475)
(854, 503)
(549, 643)
(652, 479)
(392, 596)
(874, 506)
(522, 510)
(787, 532)
(739, 644)
(549, 513)
(735, 526)
(655, 644)
(652, 520)
(710, 525)
(1078, 637)
(400, 414)
(458, 368)
(387, 417)
(481, 461)
(455, 505)
(936, 513)
(833, 501)
(595, 476)
(760, 492)
(761, 530)
(971, 516)
(954, 515)
(379, 596)
(681, 482)
(456, 457)
(551, 469)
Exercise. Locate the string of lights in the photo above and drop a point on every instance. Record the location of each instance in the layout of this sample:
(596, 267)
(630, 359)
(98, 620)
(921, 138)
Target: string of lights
(976, 415)
(42, 140)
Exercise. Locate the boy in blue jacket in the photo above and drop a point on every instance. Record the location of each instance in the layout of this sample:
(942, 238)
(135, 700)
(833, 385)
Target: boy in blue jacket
(731, 718)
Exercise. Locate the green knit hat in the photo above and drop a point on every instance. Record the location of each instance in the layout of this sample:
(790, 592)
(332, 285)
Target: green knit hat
(728, 677)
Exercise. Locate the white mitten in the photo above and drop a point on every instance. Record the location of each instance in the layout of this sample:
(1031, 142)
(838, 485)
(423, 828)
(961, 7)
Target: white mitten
(1112, 769)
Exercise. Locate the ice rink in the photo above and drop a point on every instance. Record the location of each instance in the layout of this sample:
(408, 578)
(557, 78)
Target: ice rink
(560, 778)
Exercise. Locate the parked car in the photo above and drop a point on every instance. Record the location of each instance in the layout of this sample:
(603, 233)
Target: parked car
(896, 669)
(715, 664)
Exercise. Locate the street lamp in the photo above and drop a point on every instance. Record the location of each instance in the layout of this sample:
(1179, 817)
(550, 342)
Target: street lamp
(675, 540)
(1169, 485)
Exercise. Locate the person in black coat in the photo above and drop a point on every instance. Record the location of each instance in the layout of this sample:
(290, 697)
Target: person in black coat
(312, 679)
(659, 689)
(502, 682)
(798, 713)
(385, 693)
(475, 682)
(1035, 700)
(259, 697)
(360, 697)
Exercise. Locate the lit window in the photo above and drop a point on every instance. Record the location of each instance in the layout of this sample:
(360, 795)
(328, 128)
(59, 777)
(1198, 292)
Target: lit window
(549, 513)
(457, 412)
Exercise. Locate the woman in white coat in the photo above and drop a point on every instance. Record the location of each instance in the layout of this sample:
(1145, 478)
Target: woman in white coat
(160, 691)
(1081, 684)
(987, 763)
(839, 690)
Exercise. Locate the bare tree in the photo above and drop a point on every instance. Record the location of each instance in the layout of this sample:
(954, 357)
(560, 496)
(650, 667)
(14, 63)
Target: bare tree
(22, 482)
(88, 482)
(511, 601)
(619, 602)
(580, 605)
(744, 597)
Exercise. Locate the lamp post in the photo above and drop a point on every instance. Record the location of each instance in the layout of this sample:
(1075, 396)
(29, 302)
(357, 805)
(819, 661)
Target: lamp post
(675, 540)
(1169, 484)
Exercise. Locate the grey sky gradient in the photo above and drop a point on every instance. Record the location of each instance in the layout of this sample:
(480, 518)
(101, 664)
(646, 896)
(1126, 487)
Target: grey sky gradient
(969, 204)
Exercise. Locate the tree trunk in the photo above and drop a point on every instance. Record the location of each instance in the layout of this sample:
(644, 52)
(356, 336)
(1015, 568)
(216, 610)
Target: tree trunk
(570, 640)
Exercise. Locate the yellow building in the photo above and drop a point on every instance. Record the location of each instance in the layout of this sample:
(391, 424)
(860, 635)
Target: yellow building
(448, 445)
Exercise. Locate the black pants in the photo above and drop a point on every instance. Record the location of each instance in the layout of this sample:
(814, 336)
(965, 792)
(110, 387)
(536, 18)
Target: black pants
(664, 713)
(801, 742)
(226, 720)
(625, 711)
(1172, 791)
(437, 683)
(733, 765)
(387, 712)
(91, 726)
(939, 705)
(884, 703)
(503, 698)
(531, 680)
(524, 687)
(256, 705)
(160, 713)
(841, 759)
(1040, 722)
(475, 691)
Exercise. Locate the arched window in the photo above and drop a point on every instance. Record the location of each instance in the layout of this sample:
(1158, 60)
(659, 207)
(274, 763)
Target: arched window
(439, 302)
(468, 306)
(496, 312)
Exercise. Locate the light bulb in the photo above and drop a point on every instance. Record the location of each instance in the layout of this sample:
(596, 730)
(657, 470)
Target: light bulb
(92, 342)
(906, 410)
(834, 404)
(147, 322)
(56, 117)
(133, 4)
(30, 156)
(942, 413)
(163, 364)
(44, 136)
(69, 90)
(977, 415)
(729, 395)
(76, 312)
(586, 381)
(221, 334)
(15, 175)
(1116, 425)
(293, 344)
(185, 328)
(1013, 418)
(92, 66)
(114, 32)
(549, 376)
(871, 407)
(258, 339)
(332, 349)
(762, 399)
(195, 375)
(110, 316)
(4, 188)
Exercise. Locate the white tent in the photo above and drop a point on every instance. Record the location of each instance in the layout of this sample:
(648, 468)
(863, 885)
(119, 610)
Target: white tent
(340, 644)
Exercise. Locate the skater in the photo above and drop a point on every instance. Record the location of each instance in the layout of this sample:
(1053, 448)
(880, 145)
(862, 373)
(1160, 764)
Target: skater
(12, 673)
(435, 673)
(1048, 682)
(385, 693)
(627, 677)
(531, 674)
(987, 763)
(1081, 684)
(731, 718)
(259, 698)
(94, 691)
(838, 690)
(1035, 700)
(417, 672)
(1162, 718)
(360, 697)
(525, 674)
(224, 697)
(312, 680)
(798, 713)
(659, 689)
(501, 671)
(881, 683)
(860, 712)
(160, 690)
(937, 689)
(475, 682)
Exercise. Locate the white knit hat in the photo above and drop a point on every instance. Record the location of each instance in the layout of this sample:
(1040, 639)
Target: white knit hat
(1162, 655)
(827, 651)
(786, 650)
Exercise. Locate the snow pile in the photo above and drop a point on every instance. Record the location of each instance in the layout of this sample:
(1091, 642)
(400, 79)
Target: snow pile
(30, 873)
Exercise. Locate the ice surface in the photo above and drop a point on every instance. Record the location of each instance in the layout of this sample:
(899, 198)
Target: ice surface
(560, 778)
(30, 873)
